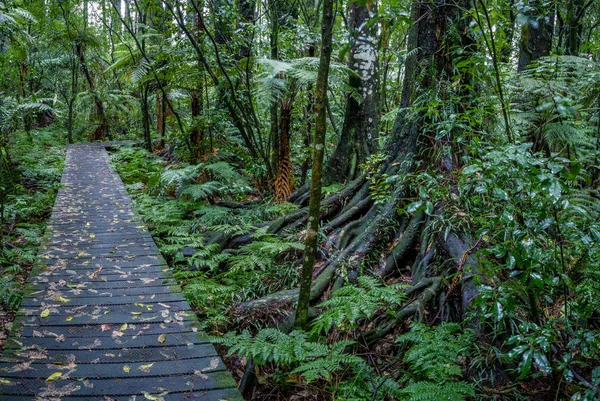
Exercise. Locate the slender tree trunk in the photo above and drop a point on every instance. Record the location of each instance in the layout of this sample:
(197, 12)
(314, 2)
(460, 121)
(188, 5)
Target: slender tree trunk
(312, 231)
(196, 135)
(70, 104)
(144, 90)
(102, 130)
(274, 119)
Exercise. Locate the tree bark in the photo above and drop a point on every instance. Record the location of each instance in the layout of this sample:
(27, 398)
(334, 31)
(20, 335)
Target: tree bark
(361, 118)
(284, 180)
(536, 36)
(312, 231)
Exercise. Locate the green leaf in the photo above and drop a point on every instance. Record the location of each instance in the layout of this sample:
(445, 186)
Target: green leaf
(541, 362)
(525, 364)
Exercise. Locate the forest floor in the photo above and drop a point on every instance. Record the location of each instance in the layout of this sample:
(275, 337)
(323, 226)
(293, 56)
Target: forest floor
(37, 167)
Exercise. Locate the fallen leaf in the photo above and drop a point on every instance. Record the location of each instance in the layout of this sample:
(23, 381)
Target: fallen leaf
(126, 368)
(54, 376)
(133, 313)
(162, 338)
(69, 318)
(45, 313)
(123, 327)
(146, 368)
(104, 327)
(64, 300)
(202, 375)
(155, 397)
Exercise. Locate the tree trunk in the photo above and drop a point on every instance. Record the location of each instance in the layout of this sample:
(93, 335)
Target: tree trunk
(161, 123)
(102, 130)
(274, 118)
(361, 118)
(70, 106)
(196, 136)
(536, 36)
(312, 231)
(284, 180)
(144, 90)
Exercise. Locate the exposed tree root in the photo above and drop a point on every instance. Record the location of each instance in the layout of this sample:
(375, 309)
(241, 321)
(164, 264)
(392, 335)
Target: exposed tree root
(402, 246)
(431, 287)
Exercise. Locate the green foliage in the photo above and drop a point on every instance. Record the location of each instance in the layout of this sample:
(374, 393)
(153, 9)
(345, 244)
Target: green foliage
(352, 303)
(380, 184)
(434, 352)
(312, 360)
(551, 100)
(204, 180)
(540, 259)
(25, 205)
(433, 359)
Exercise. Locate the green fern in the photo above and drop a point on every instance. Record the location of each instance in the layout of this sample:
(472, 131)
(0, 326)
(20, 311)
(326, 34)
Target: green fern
(428, 391)
(352, 303)
(313, 360)
(202, 191)
(434, 352)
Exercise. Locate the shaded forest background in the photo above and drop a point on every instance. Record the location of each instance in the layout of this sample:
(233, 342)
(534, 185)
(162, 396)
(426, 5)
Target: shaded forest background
(363, 200)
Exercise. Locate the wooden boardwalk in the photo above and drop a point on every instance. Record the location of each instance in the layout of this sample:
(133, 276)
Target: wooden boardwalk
(103, 318)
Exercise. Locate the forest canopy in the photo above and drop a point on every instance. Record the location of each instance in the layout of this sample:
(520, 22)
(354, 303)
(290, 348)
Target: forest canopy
(362, 200)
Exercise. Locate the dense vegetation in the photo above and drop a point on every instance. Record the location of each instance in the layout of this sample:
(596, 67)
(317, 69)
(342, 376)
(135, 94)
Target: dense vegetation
(362, 200)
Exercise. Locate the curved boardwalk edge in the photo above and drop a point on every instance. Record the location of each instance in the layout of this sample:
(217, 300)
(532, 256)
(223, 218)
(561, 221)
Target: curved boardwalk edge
(102, 317)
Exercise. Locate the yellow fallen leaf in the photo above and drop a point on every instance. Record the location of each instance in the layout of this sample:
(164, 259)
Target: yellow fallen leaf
(92, 236)
(155, 397)
(69, 318)
(136, 313)
(123, 327)
(64, 300)
(126, 368)
(54, 376)
(146, 368)
(162, 338)
(45, 313)
(4, 381)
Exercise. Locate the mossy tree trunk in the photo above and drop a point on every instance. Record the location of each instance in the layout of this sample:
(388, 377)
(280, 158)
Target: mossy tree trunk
(312, 231)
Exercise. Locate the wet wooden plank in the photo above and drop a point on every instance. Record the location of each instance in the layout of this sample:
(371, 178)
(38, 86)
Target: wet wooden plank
(93, 354)
(206, 395)
(120, 337)
(122, 386)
